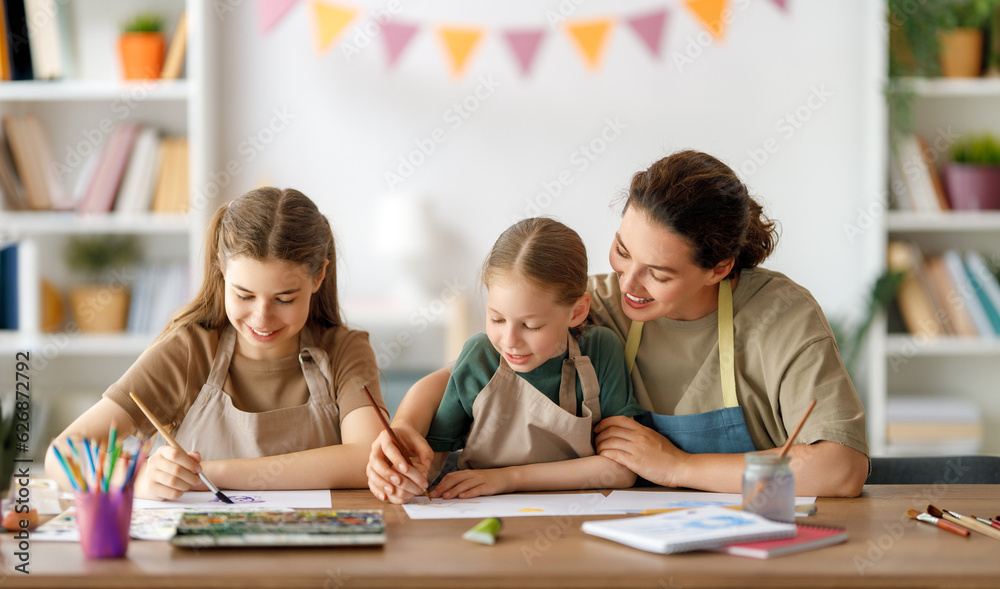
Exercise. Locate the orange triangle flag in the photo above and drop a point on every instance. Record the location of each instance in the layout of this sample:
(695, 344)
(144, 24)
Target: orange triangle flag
(710, 12)
(459, 43)
(329, 20)
(590, 37)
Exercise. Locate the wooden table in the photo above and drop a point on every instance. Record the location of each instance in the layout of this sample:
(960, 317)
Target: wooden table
(885, 549)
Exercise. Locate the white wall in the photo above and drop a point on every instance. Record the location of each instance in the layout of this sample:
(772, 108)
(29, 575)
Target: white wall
(352, 120)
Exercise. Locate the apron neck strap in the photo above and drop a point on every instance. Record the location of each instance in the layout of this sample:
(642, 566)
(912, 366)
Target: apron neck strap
(727, 356)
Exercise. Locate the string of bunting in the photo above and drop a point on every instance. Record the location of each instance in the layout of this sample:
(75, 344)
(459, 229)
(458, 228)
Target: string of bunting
(330, 19)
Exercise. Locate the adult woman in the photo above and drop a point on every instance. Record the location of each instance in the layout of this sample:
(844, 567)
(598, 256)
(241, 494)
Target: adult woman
(726, 356)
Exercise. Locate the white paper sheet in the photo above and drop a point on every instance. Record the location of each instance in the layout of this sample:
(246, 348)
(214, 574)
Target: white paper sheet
(309, 499)
(513, 505)
(638, 501)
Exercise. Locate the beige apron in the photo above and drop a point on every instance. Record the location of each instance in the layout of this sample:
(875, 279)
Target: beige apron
(514, 423)
(219, 431)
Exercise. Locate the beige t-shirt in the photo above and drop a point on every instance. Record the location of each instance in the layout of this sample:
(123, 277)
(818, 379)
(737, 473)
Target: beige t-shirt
(168, 376)
(786, 356)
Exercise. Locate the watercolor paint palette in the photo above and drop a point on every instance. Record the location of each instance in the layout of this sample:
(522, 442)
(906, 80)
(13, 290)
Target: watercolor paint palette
(309, 527)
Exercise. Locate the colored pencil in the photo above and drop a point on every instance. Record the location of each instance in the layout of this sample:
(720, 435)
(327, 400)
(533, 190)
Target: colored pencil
(385, 425)
(113, 450)
(69, 471)
(90, 455)
(170, 440)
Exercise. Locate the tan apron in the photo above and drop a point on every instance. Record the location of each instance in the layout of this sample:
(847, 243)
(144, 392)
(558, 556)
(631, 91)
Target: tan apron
(514, 423)
(219, 431)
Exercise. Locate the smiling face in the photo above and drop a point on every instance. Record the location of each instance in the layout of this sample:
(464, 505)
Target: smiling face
(656, 274)
(268, 304)
(525, 324)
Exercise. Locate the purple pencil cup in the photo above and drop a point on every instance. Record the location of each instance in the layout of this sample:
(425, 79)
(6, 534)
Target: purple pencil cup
(103, 520)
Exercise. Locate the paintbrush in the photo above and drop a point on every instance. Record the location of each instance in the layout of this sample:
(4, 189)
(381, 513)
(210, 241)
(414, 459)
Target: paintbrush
(987, 522)
(966, 522)
(385, 425)
(784, 450)
(943, 524)
(170, 440)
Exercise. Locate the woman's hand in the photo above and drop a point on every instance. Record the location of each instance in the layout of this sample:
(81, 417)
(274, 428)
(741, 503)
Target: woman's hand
(464, 484)
(389, 476)
(168, 473)
(640, 449)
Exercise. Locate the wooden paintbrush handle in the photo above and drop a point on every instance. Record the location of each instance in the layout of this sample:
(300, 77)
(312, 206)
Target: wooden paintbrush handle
(156, 424)
(972, 525)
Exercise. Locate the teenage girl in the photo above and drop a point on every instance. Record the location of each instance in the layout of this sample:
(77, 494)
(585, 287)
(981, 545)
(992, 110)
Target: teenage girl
(258, 377)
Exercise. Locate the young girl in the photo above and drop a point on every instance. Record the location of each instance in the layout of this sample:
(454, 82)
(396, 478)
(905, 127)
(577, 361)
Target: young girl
(524, 397)
(259, 378)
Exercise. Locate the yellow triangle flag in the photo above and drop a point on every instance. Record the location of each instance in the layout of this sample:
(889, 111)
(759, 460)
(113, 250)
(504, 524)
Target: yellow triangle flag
(329, 20)
(710, 13)
(459, 43)
(590, 37)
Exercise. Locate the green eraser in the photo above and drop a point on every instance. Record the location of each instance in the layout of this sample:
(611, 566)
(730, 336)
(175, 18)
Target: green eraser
(485, 532)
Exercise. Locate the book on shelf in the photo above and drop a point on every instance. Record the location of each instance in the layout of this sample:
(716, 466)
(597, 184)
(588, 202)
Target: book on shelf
(13, 193)
(8, 286)
(966, 293)
(136, 192)
(159, 290)
(107, 176)
(4, 58)
(18, 44)
(921, 426)
(26, 163)
(955, 313)
(807, 537)
(48, 39)
(174, 61)
(931, 170)
(913, 295)
(688, 529)
(171, 194)
(912, 169)
(986, 286)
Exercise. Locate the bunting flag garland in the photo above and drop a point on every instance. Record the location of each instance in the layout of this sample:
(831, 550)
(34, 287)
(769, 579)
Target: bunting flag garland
(524, 44)
(459, 43)
(649, 27)
(269, 12)
(590, 37)
(329, 21)
(397, 37)
(710, 12)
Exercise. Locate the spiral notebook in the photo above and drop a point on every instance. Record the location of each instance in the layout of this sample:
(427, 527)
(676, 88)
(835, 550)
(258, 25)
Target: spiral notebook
(310, 527)
(689, 529)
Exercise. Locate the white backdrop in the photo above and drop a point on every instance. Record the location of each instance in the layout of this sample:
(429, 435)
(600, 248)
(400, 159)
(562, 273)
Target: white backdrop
(803, 84)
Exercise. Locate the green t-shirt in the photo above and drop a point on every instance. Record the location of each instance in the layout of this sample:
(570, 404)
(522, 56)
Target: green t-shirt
(479, 361)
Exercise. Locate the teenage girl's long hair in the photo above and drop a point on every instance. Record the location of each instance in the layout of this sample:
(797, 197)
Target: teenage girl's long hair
(264, 224)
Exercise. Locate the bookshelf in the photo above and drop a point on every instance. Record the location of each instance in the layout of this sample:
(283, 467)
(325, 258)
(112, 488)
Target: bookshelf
(71, 369)
(965, 369)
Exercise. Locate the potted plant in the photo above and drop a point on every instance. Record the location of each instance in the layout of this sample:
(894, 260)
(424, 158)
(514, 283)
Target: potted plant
(102, 303)
(960, 37)
(141, 46)
(972, 177)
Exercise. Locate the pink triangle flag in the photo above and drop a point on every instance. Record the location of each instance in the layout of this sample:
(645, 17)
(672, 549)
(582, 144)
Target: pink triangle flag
(649, 27)
(397, 37)
(782, 4)
(269, 12)
(524, 44)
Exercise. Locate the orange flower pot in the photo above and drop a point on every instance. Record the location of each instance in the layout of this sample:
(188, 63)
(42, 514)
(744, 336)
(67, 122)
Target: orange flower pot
(961, 52)
(142, 55)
